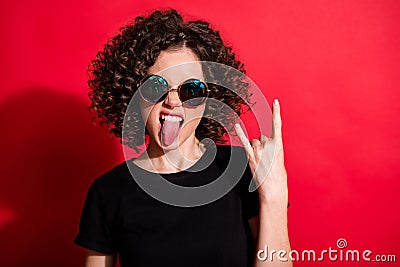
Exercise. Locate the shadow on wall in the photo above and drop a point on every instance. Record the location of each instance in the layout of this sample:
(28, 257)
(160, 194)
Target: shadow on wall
(51, 152)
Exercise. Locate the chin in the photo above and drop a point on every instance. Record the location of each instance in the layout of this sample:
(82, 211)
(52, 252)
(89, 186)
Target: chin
(172, 146)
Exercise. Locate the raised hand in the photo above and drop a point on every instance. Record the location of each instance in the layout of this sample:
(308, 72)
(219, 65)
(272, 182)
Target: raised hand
(266, 162)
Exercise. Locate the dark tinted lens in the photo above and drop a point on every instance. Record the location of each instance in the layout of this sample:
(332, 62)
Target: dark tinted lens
(154, 88)
(193, 92)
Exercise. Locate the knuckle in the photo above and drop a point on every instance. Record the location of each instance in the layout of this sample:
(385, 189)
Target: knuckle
(251, 160)
(248, 157)
(255, 142)
(279, 146)
(257, 154)
(277, 123)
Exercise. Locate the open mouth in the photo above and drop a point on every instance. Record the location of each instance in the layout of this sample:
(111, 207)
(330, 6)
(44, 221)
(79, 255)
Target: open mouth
(170, 127)
(170, 118)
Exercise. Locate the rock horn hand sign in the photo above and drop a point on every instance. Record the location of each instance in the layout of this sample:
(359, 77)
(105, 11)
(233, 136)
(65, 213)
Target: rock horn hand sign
(266, 161)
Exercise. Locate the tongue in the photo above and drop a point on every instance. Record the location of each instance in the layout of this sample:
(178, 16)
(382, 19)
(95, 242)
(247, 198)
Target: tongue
(169, 132)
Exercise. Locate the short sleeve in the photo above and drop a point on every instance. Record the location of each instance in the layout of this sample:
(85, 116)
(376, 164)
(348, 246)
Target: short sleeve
(250, 201)
(94, 228)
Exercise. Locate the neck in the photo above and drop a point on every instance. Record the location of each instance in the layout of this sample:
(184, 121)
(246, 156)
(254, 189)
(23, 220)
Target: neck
(173, 160)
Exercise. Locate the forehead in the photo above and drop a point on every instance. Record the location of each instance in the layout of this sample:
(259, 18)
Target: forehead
(177, 65)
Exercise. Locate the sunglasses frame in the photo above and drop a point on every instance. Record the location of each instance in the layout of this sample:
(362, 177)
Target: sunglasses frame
(170, 89)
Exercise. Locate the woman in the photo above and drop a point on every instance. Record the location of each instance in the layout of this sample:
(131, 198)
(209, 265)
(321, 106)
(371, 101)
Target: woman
(118, 217)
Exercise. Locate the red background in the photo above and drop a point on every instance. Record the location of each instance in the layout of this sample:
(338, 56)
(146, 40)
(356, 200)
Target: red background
(334, 65)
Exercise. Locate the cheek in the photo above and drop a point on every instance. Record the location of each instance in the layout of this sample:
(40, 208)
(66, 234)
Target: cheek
(193, 117)
(191, 125)
(149, 113)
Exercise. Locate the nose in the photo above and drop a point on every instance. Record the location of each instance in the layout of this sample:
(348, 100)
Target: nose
(172, 100)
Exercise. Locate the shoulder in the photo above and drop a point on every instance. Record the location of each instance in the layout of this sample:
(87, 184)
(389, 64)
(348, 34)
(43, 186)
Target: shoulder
(226, 152)
(238, 162)
(112, 180)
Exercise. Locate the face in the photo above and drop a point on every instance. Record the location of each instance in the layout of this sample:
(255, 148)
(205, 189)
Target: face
(169, 123)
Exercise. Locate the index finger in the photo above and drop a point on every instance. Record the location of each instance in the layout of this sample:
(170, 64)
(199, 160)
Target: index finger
(277, 122)
(243, 139)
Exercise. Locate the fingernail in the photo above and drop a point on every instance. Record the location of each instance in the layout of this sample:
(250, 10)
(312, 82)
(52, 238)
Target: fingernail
(276, 102)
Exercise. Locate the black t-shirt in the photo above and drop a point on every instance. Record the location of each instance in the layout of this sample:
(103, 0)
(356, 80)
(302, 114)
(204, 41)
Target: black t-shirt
(119, 217)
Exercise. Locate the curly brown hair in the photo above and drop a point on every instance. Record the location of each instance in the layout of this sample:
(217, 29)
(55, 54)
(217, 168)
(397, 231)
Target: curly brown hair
(115, 74)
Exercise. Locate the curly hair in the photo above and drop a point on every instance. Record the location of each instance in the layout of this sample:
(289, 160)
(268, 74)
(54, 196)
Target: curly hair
(116, 72)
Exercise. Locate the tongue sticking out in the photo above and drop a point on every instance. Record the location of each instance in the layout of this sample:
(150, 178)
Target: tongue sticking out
(170, 130)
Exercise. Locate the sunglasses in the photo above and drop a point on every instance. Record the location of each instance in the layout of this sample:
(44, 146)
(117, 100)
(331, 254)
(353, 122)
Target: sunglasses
(192, 92)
